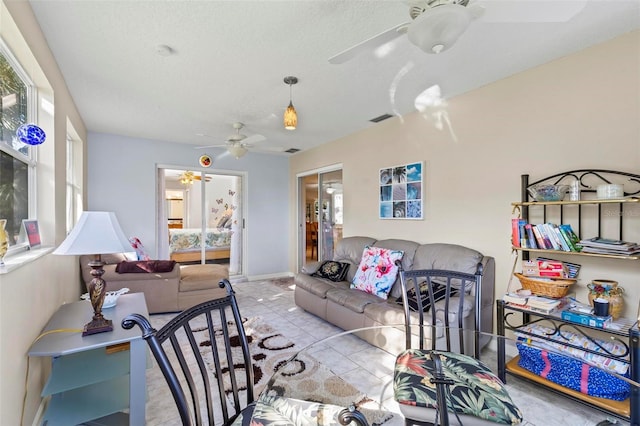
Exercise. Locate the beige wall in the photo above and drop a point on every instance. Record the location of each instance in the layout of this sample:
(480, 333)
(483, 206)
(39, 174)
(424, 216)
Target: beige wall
(31, 293)
(582, 111)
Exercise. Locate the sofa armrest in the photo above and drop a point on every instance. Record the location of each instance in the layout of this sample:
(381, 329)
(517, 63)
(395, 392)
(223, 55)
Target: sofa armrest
(311, 267)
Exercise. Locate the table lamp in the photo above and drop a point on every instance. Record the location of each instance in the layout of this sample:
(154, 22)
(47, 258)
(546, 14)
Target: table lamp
(96, 233)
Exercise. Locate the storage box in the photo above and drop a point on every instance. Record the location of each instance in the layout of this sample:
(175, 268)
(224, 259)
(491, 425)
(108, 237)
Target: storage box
(572, 373)
(544, 268)
(586, 319)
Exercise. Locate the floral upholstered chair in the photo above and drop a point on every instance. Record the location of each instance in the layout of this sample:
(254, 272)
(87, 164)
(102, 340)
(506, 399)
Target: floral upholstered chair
(431, 379)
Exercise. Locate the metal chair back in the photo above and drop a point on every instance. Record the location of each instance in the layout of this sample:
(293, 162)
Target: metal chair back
(203, 354)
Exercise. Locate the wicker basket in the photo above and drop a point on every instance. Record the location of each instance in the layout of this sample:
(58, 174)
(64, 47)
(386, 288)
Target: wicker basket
(557, 288)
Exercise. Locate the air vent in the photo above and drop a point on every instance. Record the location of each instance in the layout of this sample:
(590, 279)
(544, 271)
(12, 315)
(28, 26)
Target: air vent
(292, 150)
(380, 118)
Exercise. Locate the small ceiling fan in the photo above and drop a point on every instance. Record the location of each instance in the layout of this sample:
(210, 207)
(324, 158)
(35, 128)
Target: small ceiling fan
(437, 24)
(237, 144)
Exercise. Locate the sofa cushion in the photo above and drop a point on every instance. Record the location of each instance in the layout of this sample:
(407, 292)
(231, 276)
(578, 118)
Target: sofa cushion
(332, 270)
(317, 286)
(145, 266)
(202, 277)
(377, 271)
(352, 300)
(450, 257)
(439, 293)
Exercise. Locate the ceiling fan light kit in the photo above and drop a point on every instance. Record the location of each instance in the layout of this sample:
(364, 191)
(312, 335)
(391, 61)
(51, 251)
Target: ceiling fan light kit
(290, 114)
(237, 150)
(438, 30)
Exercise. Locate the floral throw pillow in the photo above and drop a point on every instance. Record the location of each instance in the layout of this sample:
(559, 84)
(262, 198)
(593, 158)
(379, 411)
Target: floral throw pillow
(331, 270)
(377, 271)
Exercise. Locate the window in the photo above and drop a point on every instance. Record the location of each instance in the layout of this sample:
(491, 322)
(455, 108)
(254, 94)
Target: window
(17, 164)
(74, 190)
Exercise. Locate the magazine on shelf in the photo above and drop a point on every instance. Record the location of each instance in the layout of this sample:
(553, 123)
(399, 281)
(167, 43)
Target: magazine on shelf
(606, 246)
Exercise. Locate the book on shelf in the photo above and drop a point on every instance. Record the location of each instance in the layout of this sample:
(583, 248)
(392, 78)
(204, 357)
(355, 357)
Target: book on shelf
(515, 232)
(539, 238)
(532, 303)
(570, 236)
(523, 234)
(531, 239)
(563, 243)
(550, 235)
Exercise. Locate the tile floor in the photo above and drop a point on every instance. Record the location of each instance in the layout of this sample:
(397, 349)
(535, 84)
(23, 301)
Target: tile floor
(370, 369)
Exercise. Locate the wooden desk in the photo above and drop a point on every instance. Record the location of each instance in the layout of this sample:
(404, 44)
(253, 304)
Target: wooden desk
(89, 379)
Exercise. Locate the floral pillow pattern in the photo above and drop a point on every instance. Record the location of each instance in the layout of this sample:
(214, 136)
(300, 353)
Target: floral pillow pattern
(377, 271)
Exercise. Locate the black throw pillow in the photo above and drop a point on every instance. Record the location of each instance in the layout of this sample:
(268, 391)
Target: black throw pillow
(332, 270)
(439, 293)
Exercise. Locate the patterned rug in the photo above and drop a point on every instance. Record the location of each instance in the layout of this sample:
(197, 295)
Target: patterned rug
(305, 378)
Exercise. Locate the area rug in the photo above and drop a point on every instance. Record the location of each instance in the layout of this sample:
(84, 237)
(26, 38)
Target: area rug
(304, 378)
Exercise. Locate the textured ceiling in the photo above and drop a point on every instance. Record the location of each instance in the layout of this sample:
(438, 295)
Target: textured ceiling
(230, 57)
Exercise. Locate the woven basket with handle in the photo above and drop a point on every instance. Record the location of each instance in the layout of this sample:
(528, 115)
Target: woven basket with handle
(555, 288)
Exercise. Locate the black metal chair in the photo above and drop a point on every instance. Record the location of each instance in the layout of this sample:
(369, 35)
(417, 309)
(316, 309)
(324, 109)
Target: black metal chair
(207, 345)
(195, 351)
(436, 374)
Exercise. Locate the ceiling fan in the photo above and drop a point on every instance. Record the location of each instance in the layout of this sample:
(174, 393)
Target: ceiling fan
(237, 144)
(437, 24)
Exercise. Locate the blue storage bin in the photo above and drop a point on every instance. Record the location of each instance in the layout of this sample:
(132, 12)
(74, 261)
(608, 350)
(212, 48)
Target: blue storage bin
(572, 373)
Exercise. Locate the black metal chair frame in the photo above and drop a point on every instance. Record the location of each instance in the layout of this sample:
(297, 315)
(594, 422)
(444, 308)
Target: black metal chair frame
(189, 408)
(456, 284)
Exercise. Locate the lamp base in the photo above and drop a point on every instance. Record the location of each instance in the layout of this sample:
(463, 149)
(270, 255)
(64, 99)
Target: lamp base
(97, 325)
(97, 291)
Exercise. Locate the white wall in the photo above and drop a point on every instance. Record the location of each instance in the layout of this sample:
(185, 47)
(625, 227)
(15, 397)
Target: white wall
(31, 293)
(122, 178)
(582, 111)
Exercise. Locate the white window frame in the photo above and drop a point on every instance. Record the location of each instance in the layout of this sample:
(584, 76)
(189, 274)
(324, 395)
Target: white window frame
(30, 159)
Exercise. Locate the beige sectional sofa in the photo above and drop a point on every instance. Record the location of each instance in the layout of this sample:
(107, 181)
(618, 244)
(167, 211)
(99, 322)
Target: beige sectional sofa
(351, 309)
(182, 287)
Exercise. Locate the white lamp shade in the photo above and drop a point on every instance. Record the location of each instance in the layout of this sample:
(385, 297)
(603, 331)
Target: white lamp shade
(95, 233)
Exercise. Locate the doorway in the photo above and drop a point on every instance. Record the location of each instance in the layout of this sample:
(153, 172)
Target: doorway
(201, 217)
(321, 205)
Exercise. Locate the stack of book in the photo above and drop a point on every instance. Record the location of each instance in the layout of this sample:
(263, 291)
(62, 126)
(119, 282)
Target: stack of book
(547, 236)
(544, 305)
(606, 246)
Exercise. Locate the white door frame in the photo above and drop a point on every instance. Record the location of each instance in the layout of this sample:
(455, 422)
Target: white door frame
(301, 211)
(245, 209)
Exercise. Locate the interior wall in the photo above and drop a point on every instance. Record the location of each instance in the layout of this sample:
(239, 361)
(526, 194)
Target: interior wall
(30, 294)
(130, 192)
(581, 111)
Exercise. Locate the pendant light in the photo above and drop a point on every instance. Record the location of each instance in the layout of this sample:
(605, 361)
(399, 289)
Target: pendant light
(290, 115)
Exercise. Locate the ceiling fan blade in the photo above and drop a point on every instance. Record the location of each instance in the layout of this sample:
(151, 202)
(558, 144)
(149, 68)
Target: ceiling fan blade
(253, 139)
(211, 146)
(369, 44)
(500, 11)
